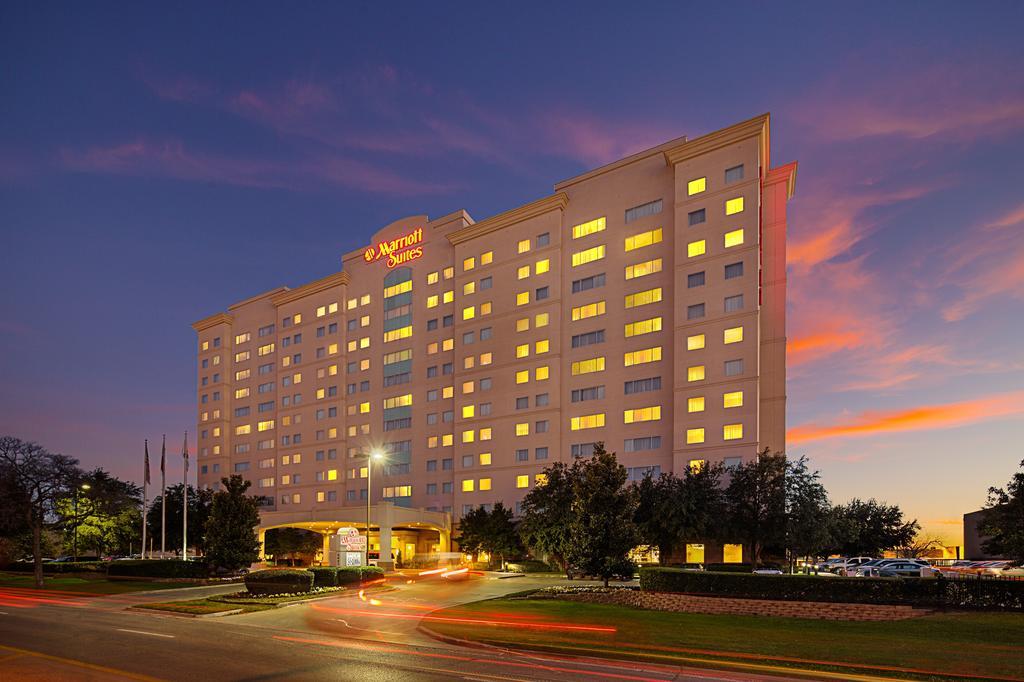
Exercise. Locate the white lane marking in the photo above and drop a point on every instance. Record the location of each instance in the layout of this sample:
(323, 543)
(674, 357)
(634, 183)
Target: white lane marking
(142, 632)
(4, 613)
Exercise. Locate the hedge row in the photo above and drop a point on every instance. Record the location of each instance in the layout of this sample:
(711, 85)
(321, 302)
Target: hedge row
(61, 567)
(925, 592)
(158, 568)
(286, 580)
(531, 566)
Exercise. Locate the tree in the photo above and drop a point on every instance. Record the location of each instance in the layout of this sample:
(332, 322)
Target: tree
(35, 480)
(285, 543)
(807, 512)
(869, 528)
(659, 513)
(491, 531)
(703, 502)
(1003, 520)
(547, 509)
(231, 540)
(199, 503)
(756, 500)
(107, 517)
(601, 525)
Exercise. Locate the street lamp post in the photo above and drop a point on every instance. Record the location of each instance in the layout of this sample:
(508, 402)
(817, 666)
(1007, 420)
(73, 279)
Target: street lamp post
(74, 544)
(374, 455)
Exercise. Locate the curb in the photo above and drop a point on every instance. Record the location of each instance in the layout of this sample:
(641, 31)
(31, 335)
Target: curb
(511, 575)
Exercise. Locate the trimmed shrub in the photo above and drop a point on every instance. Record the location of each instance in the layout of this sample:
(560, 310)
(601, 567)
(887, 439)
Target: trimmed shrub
(61, 567)
(324, 576)
(279, 581)
(350, 575)
(158, 568)
(924, 592)
(729, 568)
(531, 566)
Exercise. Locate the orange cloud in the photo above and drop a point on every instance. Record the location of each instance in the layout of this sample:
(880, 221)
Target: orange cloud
(946, 416)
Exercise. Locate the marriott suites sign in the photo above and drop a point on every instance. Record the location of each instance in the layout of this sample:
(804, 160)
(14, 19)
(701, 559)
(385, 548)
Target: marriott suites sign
(398, 251)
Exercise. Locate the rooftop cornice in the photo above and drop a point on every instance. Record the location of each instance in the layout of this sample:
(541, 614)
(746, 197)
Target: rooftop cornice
(723, 138)
(555, 202)
(615, 165)
(257, 297)
(212, 321)
(314, 287)
(787, 174)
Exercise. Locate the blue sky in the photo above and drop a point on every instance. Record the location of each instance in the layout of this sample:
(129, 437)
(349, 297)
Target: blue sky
(159, 162)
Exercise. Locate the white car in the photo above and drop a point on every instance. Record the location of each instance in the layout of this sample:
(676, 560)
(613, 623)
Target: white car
(848, 566)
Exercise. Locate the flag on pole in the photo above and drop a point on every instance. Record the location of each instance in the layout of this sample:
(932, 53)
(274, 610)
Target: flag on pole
(145, 484)
(184, 451)
(163, 456)
(145, 474)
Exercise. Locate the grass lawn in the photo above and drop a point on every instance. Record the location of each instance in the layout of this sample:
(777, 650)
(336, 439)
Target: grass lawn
(230, 602)
(93, 583)
(954, 645)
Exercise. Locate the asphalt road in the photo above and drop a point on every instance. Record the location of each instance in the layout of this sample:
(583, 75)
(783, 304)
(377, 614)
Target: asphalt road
(373, 636)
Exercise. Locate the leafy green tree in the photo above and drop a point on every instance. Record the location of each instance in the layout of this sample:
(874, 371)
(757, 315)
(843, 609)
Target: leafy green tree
(1003, 521)
(491, 531)
(285, 543)
(703, 502)
(472, 531)
(601, 525)
(659, 514)
(756, 502)
(35, 480)
(869, 528)
(231, 540)
(547, 510)
(108, 517)
(200, 501)
(808, 532)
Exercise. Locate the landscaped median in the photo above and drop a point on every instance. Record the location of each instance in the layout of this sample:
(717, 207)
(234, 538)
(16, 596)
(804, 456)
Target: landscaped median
(276, 587)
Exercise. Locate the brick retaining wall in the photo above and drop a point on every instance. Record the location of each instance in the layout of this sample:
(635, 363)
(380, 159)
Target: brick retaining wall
(688, 603)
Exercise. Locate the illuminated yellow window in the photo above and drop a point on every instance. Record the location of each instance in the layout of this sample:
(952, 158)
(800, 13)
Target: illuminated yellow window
(321, 393)
(486, 258)
(242, 338)
(321, 311)
(523, 481)
(485, 484)
(541, 319)
(523, 272)
(332, 370)
(733, 335)
(243, 429)
(396, 289)
(352, 303)
(643, 297)
(394, 401)
(523, 324)
(542, 346)
(695, 404)
(332, 349)
(524, 245)
(468, 436)
(485, 458)
(241, 393)
(642, 356)
(433, 277)
(734, 206)
(468, 387)
(468, 288)
(266, 425)
(485, 358)
(695, 373)
(587, 421)
(541, 266)
(287, 421)
(206, 345)
(333, 308)
(432, 348)
(590, 255)
(523, 350)
(447, 440)
(638, 241)
(297, 378)
(732, 399)
(696, 186)
(732, 431)
(216, 432)
(363, 300)
(468, 263)
(321, 496)
(641, 327)
(393, 335)
(694, 436)
(468, 362)
(432, 442)
(364, 408)
(522, 376)
(695, 342)
(242, 374)
(734, 238)
(448, 392)
(265, 350)
(485, 433)
(448, 296)
(523, 429)
(365, 341)
(485, 308)
(447, 344)
(352, 345)
(332, 474)
(523, 298)
(540, 479)
(583, 229)
(448, 272)
(643, 269)
(698, 248)
(364, 364)
(588, 366)
(468, 485)
(590, 310)
(469, 312)
(696, 465)
(542, 373)
(297, 317)
(432, 301)
(642, 414)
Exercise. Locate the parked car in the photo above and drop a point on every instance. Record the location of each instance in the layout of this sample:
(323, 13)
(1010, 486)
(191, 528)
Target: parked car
(851, 564)
(906, 569)
(955, 568)
(829, 565)
(987, 569)
(871, 568)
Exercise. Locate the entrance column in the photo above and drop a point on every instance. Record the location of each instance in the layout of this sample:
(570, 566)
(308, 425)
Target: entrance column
(261, 536)
(385, 515)
(326, 559)
(444, 540)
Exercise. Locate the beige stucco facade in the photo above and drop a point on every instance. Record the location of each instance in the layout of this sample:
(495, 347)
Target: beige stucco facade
(475, 354)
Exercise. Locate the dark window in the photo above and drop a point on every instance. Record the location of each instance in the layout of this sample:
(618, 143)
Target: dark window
(587, 283)
(588, 339)
(733, 174)
(695, 279)
(734, 270)
(543, 239)
(733, 303)
(542, 293)
(431, 325)
(643, 210)
(642, 385)
(697, 217)
(591, 393)
(695, 311)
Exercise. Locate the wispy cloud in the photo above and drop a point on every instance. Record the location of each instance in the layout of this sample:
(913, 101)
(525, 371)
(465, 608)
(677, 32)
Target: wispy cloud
(944, 416)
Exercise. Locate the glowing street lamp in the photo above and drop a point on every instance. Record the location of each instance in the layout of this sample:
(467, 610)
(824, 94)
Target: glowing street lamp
(375, 455)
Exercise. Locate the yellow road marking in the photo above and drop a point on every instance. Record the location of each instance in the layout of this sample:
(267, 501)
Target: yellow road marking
(80, 664)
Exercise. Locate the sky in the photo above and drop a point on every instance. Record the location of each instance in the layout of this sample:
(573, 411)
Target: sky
(159, 162)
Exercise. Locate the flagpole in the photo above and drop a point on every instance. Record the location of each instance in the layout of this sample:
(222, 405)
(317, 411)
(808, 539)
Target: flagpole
(163, 498)
(145, 486)
(184, 505)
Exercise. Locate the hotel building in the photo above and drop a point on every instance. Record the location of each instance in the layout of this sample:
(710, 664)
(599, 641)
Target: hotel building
(641, 304)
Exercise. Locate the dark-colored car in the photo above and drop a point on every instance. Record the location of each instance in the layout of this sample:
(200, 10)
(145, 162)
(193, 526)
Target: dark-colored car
(905, 569)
